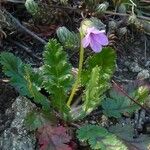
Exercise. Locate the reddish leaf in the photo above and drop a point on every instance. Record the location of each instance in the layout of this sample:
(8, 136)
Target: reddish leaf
(53, 138)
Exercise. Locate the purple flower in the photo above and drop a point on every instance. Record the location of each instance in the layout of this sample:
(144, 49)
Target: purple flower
(95, 38)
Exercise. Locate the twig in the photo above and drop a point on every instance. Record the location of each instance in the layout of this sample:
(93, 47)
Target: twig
(77, 10)
(127, 15)
(24, 29)
(126, 94)
(66, 7)
(16, 1)
(145, 49)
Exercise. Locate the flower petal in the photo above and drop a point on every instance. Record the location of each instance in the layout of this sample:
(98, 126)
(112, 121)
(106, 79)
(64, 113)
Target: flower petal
(96, 47)
(101, 38)
(86, 41)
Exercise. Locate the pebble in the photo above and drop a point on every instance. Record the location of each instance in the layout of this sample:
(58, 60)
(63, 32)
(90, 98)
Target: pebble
(144, 74)
(134, 67)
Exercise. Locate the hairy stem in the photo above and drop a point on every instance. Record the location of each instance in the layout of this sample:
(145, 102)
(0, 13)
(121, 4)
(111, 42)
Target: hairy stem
(75, 86)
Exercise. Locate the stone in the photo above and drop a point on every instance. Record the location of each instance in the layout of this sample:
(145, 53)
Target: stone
(134, 67)
(17, 137)
(147, 64)
(144, 74)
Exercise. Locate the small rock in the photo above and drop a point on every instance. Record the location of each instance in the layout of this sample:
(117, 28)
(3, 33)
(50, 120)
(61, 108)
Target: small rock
(17, 137)
(134, 67)
(144, 74)
(147, 64)
(125, 69)
(93, 122)
(104, 121)
(127, 63)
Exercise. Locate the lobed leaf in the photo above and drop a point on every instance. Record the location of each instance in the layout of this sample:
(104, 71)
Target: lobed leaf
(99, 138)
(117, 104)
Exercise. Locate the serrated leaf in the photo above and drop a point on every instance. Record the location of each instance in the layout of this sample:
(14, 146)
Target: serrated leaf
(22, 77)
(70, 40)
(53, 138)
(96, 77)
(34, 90)
(106, 60)
(92, 93)
(118, 104)
(35, 120)
(14, 68)
(57, 75)
(99, 138)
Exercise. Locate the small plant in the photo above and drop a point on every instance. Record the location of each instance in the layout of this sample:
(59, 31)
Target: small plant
(32, 7)
(99, 138)
(70, 40)
(54, 86)
(116, 104)
(56, 77)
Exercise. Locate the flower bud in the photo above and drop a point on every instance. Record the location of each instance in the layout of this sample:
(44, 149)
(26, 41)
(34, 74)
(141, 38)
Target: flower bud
(122, 8)
(112, 25)
(92, 22)
(32, 7)
(62, 33)
(101, 8)
(122, 31)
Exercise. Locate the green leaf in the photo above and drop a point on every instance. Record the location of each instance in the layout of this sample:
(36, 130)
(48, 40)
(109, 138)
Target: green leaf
(99, 138)
(118, 104)
(96, 78)
(14, 68)
(57, 74)
(33, 81)
(70, 40)
(106, 60)
(32, 7)
(142, 94)
(35, 120)
(92, 93)
(26, 81)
